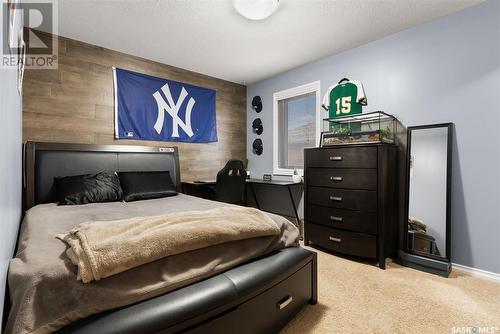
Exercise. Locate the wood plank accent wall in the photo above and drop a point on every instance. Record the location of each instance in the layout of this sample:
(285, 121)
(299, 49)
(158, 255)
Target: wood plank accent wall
(74, 104)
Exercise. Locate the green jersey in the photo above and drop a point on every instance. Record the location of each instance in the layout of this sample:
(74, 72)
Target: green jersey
(345, 99)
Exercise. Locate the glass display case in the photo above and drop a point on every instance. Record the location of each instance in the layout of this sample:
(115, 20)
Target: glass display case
(374, 127)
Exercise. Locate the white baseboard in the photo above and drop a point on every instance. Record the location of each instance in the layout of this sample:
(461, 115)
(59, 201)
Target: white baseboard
(476, 272)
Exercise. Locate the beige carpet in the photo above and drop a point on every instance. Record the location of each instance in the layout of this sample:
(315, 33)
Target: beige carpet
(355, 297)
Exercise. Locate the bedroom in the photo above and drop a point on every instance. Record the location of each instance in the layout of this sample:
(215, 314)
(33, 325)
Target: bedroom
(250, 166)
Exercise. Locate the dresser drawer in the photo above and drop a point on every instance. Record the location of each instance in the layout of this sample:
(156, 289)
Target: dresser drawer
(351, 157)
(361, 200)
(351, 243)
(356, 221)
(342, 178)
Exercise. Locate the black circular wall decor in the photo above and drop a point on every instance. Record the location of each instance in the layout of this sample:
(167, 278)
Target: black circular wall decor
(257, 146)
(257, 103)
(257, 126)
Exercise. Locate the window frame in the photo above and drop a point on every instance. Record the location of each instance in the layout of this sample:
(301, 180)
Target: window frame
(312, 87)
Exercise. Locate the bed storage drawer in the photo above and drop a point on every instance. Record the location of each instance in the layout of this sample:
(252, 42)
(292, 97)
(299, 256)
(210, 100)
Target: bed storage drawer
(362, 200)
(356, 221)
(269, 311)
(355, 157)
(351, 243)
(343, 178)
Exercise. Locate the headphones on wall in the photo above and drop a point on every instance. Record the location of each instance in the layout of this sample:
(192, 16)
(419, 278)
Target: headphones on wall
(257, 146)
(257, 126)
(257, 103)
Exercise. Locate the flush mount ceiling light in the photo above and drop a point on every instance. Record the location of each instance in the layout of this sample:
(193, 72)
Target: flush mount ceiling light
(256, 9)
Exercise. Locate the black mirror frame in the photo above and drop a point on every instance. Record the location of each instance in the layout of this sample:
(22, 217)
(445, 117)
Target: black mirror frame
(417, 259)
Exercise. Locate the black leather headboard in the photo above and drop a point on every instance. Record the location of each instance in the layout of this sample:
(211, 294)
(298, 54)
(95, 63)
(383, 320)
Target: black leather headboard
(45, 161)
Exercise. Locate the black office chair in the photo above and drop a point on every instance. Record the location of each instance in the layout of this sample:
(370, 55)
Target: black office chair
(230, 187)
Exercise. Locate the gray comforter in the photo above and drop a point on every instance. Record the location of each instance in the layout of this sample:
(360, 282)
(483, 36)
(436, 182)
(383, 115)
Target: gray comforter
(46, 295)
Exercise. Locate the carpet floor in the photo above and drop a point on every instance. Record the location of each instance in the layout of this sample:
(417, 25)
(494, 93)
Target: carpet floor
(356, 297)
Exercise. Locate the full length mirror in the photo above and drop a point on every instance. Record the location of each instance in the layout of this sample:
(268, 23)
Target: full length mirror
(428, 229)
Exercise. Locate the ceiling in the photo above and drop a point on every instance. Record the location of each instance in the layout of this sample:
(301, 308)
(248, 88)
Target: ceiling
(211, 38)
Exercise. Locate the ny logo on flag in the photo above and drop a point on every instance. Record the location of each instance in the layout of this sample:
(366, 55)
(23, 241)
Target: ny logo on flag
(173, 110)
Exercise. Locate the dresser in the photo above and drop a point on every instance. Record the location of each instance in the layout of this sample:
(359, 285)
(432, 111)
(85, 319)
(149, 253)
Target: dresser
(351, 200)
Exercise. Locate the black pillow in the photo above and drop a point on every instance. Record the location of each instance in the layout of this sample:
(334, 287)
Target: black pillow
(146, 185)
(88, 188)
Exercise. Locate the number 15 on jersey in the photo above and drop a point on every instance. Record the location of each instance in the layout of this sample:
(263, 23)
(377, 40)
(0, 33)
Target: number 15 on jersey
(343, 105)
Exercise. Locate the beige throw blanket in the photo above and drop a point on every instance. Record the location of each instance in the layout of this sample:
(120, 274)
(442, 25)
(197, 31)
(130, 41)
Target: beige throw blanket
(104, 248)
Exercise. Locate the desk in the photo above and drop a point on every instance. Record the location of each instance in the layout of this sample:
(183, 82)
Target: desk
(267, 201)
(203, 189)
(294, 193)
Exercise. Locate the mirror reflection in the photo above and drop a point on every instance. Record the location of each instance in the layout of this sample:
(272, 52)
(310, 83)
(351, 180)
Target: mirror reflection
(427, 191)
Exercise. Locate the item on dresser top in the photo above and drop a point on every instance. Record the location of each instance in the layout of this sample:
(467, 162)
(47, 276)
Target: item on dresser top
(88, 188)
(374, 127)
(146, 185)
(351, 200)
(346, 98)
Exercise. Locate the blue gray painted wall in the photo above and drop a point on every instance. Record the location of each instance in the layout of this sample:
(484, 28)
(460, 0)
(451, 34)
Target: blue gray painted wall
(10, 171)
(445, 70)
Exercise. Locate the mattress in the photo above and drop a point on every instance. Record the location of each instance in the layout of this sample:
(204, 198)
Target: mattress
(45, 294)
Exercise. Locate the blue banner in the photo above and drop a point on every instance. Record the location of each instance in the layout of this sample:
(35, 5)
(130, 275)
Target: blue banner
(150, 108)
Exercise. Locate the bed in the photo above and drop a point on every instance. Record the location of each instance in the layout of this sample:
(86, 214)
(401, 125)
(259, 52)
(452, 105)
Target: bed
(256, 294)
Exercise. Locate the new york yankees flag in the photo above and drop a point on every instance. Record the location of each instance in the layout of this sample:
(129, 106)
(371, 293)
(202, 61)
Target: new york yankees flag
(150, 108)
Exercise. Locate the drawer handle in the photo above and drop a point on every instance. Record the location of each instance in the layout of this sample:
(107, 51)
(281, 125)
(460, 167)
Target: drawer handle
(337, 219)
(284, 302)
(336, 178)
(335, 239)
(335, 158)
(336, 198)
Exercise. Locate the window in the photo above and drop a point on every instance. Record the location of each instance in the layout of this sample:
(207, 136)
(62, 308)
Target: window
(296, 126)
